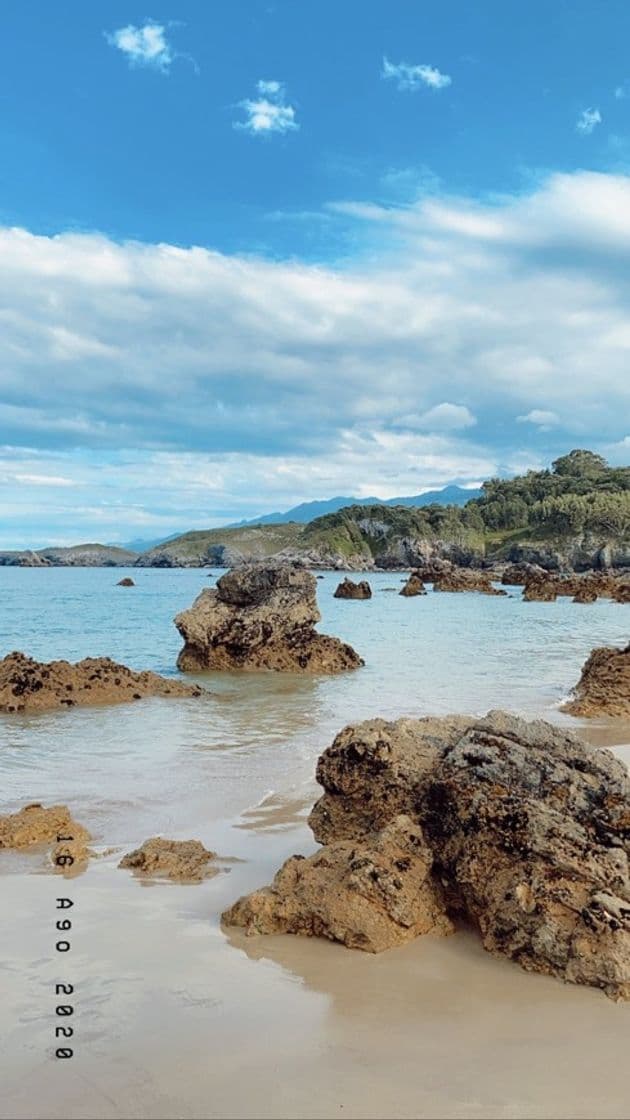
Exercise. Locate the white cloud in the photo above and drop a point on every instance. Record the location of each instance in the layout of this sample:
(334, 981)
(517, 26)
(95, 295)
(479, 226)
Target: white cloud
(543, 419)
(269, 112)
(247, 384)
(409, 77)
(588, 121)
(443, 417)
(143, 46)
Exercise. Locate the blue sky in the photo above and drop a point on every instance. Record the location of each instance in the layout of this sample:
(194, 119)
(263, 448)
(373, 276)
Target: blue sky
(255, 253)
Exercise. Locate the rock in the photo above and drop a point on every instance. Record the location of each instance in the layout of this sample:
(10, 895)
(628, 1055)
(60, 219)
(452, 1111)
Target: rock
(370, 894)
(36, 825)
(413, 586)
(261, 617)
(348, 589)
(126, 582)
(540, 590)
(604, 686)
(621, 593)
(170, 859)
(464, 580)
(516, 574)
(518, 827)
(585, 594)
(434, 569)
(27, 685)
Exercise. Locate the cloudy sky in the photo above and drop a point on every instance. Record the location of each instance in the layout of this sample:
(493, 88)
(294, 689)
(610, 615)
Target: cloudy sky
(258, 252)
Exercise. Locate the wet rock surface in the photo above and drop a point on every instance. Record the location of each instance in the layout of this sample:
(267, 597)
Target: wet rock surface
(261, 617)
(27, 685)
(604, 685)
(518, 827)
(126, 582)
(348, 589)
(170, 859)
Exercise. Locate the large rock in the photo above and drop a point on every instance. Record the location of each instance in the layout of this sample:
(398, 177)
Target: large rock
(27, 685)
(260, 617)
(516, 574)
(520, 828)
(348, 589)
(604, 686)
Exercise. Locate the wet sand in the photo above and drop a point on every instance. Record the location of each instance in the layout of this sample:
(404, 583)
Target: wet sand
(176, 1017)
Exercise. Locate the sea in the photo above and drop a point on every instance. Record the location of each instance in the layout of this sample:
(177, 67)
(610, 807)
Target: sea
(176, 1016)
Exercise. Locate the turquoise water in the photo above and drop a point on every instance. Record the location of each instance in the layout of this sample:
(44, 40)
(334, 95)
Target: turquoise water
(168, 761)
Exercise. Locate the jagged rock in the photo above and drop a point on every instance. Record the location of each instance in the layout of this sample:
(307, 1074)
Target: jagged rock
(413, 586)
(621, 592)
(604, 686)
(523, 829)
(170, 859)
(465, 580)
(261, 617)
(126, 582)
(348, 589)
(27, 685)
(370, 894)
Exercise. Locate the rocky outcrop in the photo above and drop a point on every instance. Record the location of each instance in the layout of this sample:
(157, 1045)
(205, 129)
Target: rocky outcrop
(545, 587)
(27, 685)
(348, 589)
(170, 859)
(413, 586)
(465, 580)
(604, 686)
(126, 582)
(261, 617)
(517, 827)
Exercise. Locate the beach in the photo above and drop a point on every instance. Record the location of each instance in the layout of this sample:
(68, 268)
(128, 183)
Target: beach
(179, 1017)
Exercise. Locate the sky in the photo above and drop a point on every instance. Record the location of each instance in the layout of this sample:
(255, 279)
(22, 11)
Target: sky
(256, 252)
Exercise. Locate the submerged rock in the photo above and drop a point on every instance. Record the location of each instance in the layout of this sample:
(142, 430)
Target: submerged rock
(518, 827)
(604, 686)
(261, 617)
(170, 859)
(348, 589)
(126, 582)
(413, 586)
(27, 685)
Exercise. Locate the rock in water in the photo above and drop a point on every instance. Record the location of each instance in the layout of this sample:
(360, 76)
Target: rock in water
(461, 579)
(170, 859)
(604, 686)
(414, 586)
(27, 685)
(348, 589)
(126, 582)
(261, 617)
(519, 827)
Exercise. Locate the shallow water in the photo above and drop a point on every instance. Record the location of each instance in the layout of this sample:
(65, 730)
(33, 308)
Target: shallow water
(171, 1012)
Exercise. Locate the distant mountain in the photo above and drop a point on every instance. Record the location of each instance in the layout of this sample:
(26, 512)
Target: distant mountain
(307, 511)
(141, 544)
